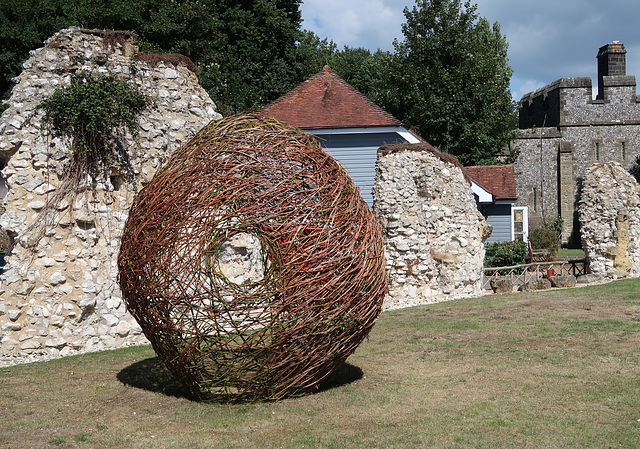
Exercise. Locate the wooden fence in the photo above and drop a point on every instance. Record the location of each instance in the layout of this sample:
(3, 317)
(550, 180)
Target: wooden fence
(521, 274)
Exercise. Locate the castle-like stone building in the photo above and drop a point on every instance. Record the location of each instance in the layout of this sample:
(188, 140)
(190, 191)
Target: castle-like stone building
(564, 129)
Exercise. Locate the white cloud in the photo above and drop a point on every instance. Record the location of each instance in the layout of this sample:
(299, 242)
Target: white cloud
(360, 23)
(521, 87)
(548, 39)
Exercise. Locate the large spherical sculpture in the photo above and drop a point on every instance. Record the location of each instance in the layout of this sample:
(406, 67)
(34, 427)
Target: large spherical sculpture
(252, 263)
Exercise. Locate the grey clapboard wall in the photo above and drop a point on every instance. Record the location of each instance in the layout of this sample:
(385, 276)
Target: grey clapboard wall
(357, 153)
(499, 216)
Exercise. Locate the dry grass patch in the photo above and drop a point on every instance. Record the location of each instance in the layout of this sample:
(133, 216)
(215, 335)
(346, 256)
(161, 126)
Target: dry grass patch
(554, 369)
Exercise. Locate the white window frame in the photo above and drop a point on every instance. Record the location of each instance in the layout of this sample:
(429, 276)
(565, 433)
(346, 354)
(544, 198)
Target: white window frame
(525, 222)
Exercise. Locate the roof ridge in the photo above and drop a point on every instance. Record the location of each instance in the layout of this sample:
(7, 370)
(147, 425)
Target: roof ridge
(357, 92)
(494, 165)
(317, 104)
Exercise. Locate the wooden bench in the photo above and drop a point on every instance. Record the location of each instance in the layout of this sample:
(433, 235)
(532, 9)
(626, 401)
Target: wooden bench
(537, 255)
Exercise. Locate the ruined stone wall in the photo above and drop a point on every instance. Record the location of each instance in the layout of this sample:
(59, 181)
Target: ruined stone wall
(434, 235)
(610, 221)
(63, 298)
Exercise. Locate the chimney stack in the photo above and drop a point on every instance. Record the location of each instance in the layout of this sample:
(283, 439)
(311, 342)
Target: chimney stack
(612, 61)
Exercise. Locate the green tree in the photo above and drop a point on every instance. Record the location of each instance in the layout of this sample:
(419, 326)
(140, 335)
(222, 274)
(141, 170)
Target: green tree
(312, 53)
(24, 24)
(449, 80)
(360, 68)
(245, 50)
(167, 26)
(254, 59)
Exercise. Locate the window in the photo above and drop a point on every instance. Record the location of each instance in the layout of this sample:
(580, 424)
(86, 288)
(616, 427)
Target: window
(520, 221)
(597, 151)
(535, 199)
(623, 151)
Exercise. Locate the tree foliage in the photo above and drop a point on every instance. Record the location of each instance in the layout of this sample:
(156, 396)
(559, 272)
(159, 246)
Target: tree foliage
(312, 53)
(248, 52)
(254, 61)
(24, 24)
(449, 80)
(358, 66)
(361, 68)
(245, 50)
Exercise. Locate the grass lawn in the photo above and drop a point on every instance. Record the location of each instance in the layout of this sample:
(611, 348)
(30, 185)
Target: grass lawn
(565, 252)
(553, 369)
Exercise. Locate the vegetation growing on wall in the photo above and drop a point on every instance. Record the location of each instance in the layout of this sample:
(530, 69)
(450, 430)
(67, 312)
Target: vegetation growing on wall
(94, 113)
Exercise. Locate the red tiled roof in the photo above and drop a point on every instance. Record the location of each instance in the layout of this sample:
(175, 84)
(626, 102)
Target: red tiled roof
(499, 180)
(327, 101)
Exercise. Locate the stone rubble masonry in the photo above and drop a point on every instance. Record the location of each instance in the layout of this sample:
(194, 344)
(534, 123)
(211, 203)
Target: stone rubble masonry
(434, 234)
(562, 281)
(501, 285)
(538, 284)
(610, 221)
(64, 298)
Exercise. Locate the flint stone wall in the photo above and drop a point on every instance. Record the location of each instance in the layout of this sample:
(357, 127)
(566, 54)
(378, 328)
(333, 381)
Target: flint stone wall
(64, 298)
(610, 221)
(434, 234)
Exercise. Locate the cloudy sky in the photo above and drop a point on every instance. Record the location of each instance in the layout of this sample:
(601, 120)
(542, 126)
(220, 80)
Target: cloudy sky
(548, 39)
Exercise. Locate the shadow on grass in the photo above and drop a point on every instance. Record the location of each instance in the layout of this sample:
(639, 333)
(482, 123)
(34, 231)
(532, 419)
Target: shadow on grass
(344, 375)
(151, 375)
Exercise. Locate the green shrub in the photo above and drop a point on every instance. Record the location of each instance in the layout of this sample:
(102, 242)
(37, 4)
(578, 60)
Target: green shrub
(544, 238)
(555, 223)
(504, 254)
(549, 235)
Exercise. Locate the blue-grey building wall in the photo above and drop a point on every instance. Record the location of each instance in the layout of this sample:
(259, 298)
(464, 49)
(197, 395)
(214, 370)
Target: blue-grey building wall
(498, 216)
(358, 154)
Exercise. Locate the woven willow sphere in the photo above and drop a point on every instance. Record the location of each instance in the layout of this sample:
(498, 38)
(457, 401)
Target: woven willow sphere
(252, 263)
